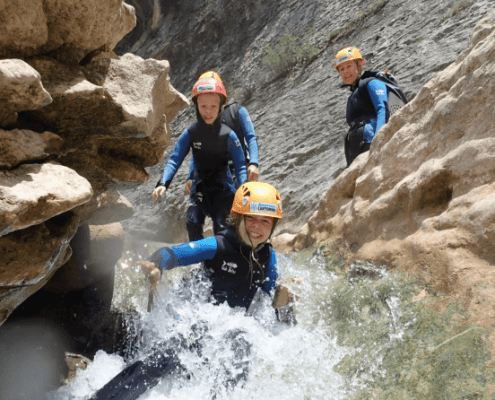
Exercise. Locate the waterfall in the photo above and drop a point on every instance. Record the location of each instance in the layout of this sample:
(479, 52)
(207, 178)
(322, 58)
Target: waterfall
(282, 361)
(349, 332)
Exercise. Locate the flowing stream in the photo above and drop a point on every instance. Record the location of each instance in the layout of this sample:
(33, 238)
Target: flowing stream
(354, 333)
(242, 356)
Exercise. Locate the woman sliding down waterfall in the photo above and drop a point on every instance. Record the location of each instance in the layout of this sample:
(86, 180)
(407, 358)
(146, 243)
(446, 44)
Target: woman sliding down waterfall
(239, 262)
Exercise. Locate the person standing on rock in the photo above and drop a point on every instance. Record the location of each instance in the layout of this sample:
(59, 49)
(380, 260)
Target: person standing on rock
(238, 119)
(367, 107)
(213, 144)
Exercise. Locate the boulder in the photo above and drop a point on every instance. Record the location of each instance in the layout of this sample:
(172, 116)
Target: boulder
(29, 257)
(113, 115)
(21, 89)
(34, 193)
(68, 29)
(107, 208)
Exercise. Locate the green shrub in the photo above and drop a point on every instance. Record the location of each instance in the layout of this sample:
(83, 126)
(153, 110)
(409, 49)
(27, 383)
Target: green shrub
(404, 349)
(289, 51)
(234, 93)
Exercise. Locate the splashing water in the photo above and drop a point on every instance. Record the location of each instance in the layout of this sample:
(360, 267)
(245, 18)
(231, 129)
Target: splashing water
(231, 353)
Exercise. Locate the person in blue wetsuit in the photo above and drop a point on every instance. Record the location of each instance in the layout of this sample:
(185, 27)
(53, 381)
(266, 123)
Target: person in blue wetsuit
(239, 260)
(238, 119)
(213, 144)
(367, 105)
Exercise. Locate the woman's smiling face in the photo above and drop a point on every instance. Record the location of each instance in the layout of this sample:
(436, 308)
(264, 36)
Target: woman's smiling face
(255, 229)
(348, 71)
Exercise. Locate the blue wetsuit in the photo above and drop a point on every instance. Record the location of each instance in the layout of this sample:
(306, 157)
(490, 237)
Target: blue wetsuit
(366, 114)
(248, 133)
(235, 271)
(235, 274)
(195, 214)
(213, 190)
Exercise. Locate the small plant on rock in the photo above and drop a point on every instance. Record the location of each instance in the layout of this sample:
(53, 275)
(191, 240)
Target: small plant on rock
(405, 348)
(288, 52)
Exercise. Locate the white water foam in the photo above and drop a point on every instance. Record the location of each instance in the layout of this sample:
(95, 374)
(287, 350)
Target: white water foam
(283, 362)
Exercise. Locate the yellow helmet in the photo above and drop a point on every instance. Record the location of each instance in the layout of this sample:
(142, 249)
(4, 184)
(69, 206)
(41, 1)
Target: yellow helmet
(258, 198)
(347, 54)
(211, 74)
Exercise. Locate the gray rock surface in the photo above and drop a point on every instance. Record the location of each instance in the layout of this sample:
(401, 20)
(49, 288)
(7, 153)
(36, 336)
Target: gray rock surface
(300, 117)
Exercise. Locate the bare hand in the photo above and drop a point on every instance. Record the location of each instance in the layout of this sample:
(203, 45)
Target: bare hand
(283, 293)
(252, 173)
(150, 270)
(158, 192)
(188, 186)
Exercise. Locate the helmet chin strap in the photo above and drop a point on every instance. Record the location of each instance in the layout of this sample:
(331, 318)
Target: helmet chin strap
(243, 220)
(246, 231)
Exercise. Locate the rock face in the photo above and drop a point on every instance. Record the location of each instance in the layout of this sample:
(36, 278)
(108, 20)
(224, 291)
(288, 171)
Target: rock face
(66, 30)
(21, 90)
(77, 124)
(300, 116)
(74, 115)
(423, 198)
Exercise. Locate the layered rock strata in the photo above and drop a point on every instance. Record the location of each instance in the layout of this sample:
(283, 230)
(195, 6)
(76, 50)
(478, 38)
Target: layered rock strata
(423, 198)
(77, 124)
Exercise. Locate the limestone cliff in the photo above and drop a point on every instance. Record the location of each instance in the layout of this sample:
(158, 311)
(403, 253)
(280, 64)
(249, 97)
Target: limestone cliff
(423, 198)
(299, 116)
(77, 124)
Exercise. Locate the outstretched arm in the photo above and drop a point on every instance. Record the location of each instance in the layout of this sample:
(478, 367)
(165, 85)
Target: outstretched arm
(252, 142)
(177, 256)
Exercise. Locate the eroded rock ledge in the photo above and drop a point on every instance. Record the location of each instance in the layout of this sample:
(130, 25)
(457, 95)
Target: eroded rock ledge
(77, 124)
(423, 198)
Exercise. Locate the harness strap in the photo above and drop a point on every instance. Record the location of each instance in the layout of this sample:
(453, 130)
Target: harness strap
(361, 121)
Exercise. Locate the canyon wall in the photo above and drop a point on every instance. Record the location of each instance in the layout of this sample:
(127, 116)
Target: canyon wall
(299, 114)
(422, 200)
(77, 125)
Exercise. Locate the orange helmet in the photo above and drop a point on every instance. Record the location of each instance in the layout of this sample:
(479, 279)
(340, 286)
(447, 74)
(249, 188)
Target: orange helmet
(209, 85)
(211, 74)
(258, 198)
(347, 54)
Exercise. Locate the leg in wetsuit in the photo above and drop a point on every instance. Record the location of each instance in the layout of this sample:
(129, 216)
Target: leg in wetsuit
(196, 212)
(163, 361)
(209, 197)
